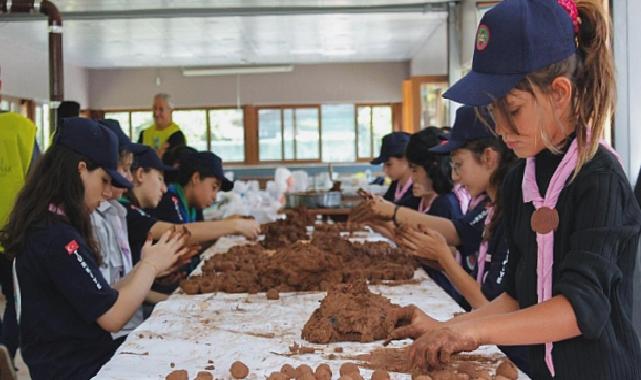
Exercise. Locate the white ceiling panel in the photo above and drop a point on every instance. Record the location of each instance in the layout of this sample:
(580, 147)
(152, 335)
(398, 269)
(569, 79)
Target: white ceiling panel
(295, 39)
(104, 5)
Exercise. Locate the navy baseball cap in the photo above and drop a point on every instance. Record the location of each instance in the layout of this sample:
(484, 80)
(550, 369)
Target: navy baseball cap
(147, 158)
(123, 140)
(467, 127)
(94, 141)
(513, 39)
(394, 144)
(208, 164)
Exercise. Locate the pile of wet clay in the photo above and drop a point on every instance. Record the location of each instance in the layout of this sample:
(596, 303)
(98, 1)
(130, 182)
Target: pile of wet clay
(350, 312)
(301, 266)
(461, 367)
(284, 232)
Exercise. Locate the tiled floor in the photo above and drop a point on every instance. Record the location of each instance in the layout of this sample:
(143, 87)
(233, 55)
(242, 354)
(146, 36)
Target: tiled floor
(23, 372)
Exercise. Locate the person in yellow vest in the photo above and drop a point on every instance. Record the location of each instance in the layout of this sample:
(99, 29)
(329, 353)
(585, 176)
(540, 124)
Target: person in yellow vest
(18, 150)
(163, 134)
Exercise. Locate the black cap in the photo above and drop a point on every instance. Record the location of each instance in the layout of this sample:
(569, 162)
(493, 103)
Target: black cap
(394, 144)
(147, 158)
(208, 165)
(123, 140)
(467, 127)
(68, 108)
(94, 141)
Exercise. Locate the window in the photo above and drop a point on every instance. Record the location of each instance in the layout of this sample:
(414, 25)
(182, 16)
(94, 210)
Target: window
(193, 124)
(123, 120)
(42, 123)
(227, 134)
(434, 108)
(288, 134)
(139, 121)
(373, 122)
(338, 135)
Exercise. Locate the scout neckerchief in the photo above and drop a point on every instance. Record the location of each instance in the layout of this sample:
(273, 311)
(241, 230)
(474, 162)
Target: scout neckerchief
(480, 264)
(187, 214)
(545, 221)
(424, 207)
(400, 192)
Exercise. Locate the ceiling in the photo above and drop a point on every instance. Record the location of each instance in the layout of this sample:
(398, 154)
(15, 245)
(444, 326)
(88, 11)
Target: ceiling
(111, 33)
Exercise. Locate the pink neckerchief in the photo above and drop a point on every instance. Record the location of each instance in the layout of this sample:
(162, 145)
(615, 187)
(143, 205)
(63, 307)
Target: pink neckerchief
(398, 194)
(480, 264)
(423, 208)
(545, 242)
(463, 196)
(56, 210)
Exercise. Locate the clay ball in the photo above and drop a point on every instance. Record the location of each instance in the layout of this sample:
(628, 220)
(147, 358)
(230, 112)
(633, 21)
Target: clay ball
(349, 369)
(288, 371)
(323, 372)
(272, 294)
(507, 369)
(239, 370)
(345, 377)
(499, 377)
(423, 377)
(180, 374)
(307, 376)
(277, 376)
(204, 375)
(303, 370)
(380, 374)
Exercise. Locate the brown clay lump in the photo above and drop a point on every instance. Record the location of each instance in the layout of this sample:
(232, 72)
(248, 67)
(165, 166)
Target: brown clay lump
(180, 374)
(239, 370)
(288, 371)
(277, 376)
(204, 375)
(507, 369)
(272, 294)
(349, 369)
(352, 313)
(380, 374)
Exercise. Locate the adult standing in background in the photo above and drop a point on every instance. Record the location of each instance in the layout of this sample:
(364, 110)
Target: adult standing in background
(163, 134)
(18, 150)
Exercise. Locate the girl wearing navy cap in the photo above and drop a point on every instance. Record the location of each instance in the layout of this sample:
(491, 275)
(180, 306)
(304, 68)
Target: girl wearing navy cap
(396, 167)
(571, 219)
(65, 307)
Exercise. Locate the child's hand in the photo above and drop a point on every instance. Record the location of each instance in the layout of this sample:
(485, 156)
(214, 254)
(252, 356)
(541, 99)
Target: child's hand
(249, 228)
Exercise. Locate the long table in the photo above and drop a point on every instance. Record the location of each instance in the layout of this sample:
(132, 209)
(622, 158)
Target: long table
(211, 331)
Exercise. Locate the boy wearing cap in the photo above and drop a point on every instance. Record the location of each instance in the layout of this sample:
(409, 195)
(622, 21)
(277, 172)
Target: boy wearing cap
(64, 305)
(147, 192)
(199, 178)
(396, 167)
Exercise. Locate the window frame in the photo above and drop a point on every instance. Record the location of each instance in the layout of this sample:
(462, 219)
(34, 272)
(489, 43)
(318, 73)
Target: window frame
(281, 108)
(359, 158)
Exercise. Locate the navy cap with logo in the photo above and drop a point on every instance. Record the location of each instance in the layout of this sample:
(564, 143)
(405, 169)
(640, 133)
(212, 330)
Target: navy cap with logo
(208, 165)
(123, 140)
(467, 127)
(147, 158)
(94, 141)
(394, 144)
(515, 38)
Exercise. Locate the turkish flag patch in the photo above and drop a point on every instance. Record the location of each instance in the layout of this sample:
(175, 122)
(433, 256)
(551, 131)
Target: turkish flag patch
(72, 247)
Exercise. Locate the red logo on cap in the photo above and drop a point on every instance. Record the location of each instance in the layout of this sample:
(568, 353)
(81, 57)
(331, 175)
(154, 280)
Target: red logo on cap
(71, 247)
(482, 37)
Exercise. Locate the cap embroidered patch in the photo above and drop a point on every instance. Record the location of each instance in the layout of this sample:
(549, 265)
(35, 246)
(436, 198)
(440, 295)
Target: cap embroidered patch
(71, 247)
(482, 37)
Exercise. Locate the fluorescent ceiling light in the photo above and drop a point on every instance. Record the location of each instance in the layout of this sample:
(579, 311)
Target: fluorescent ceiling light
(234, 70)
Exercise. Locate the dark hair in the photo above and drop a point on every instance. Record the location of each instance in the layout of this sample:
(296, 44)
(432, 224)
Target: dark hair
(506, 162)
(436, 166)
(173, 157)
(53, 180)
(591, 71)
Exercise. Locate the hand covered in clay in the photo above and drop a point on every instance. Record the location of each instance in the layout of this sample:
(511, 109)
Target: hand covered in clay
(423, 242)
(249, 228)
(436, 347)
(418, 324)
(375, 208)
